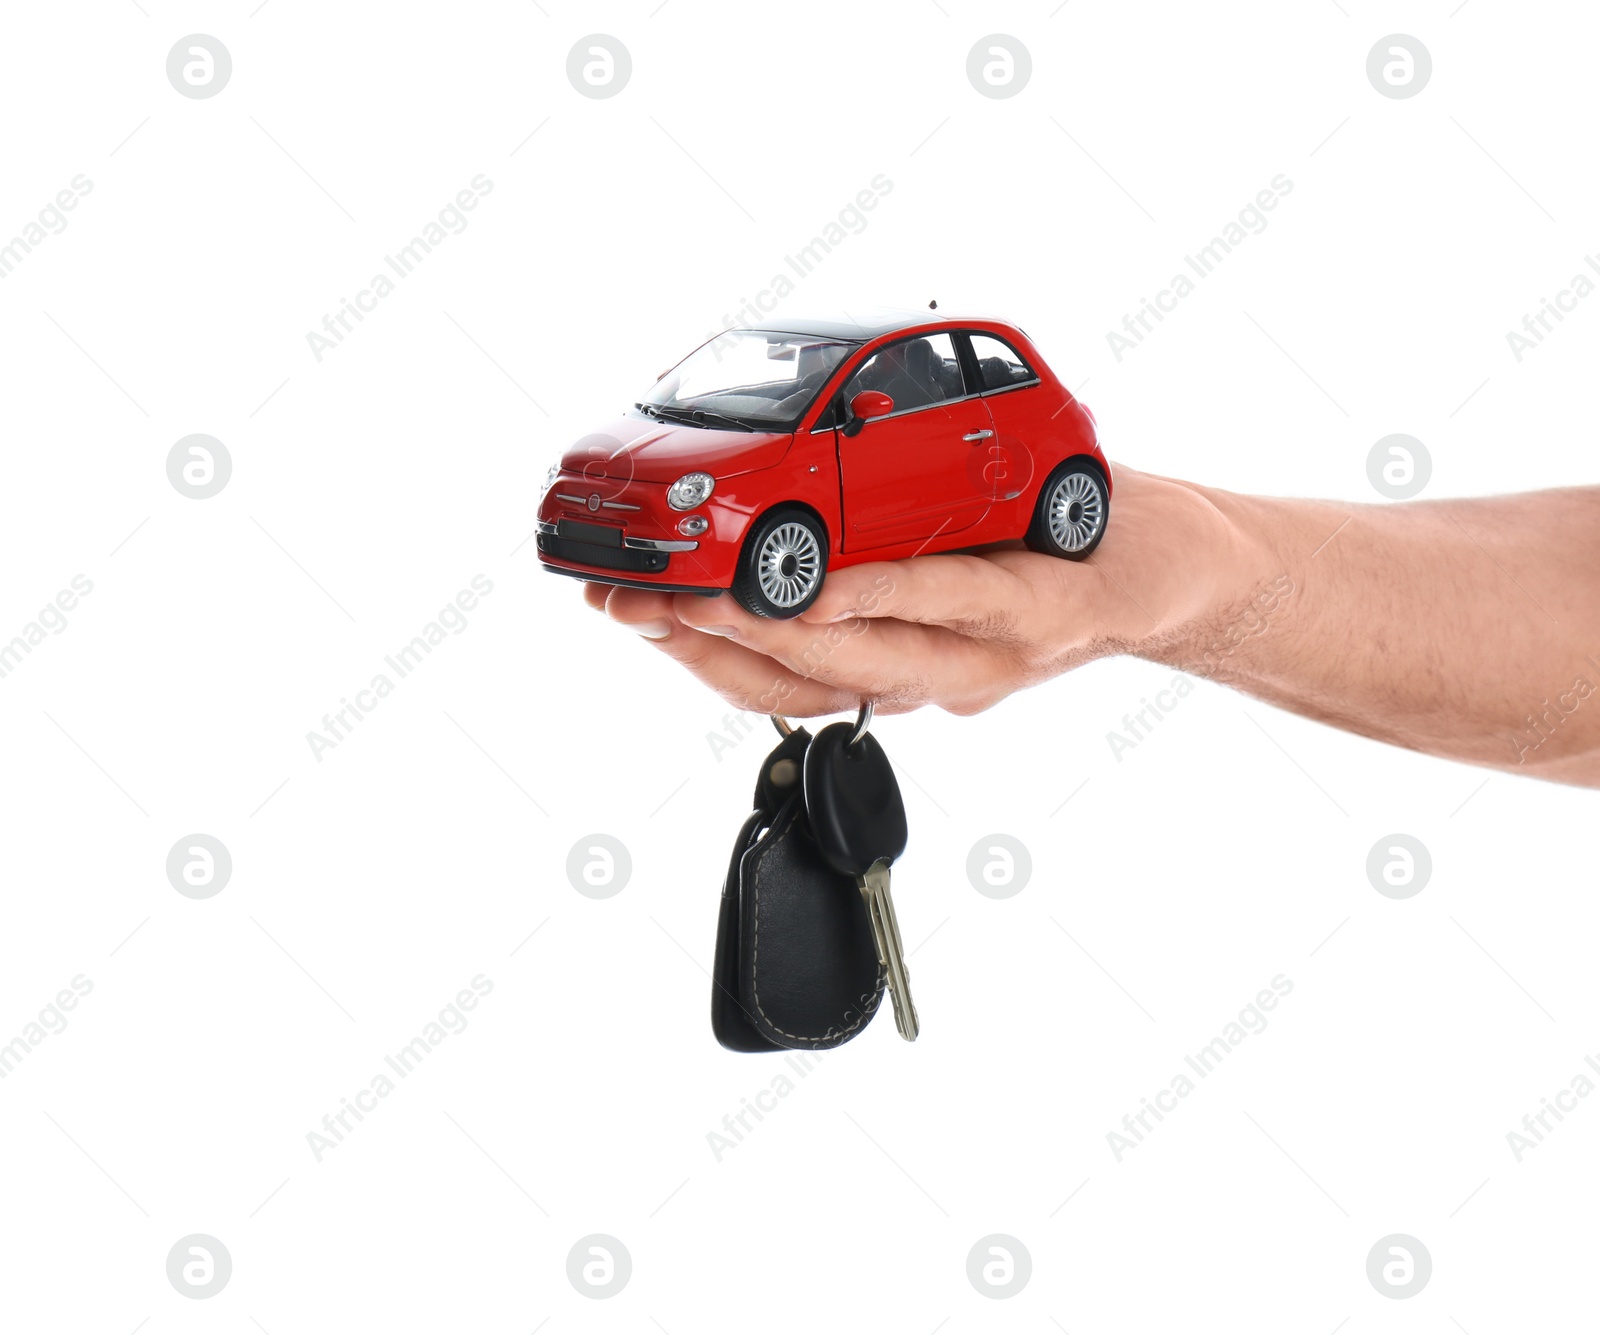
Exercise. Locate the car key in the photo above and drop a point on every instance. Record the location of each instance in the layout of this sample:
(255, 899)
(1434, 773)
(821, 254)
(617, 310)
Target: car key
(859, 821)
(796, 962)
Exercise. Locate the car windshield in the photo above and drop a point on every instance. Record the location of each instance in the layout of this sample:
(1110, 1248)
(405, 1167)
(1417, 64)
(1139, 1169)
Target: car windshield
(754, 379)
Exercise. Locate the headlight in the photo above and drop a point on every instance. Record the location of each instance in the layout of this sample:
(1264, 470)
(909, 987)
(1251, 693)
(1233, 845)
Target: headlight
(551, 476)
(690, 490)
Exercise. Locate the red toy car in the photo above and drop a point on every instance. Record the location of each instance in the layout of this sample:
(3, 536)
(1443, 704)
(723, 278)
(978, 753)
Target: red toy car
(768, 455)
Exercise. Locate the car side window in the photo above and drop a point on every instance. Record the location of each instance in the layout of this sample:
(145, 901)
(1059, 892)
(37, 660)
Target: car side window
(915, 372)
(1000, 366)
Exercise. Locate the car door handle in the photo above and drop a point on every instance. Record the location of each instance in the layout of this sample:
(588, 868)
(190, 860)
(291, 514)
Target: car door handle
(977, 435)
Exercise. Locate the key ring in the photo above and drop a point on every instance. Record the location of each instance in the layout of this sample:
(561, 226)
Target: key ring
(863, 722)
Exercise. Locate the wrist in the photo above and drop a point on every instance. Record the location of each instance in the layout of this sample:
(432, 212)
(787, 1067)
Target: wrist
(1184, 562)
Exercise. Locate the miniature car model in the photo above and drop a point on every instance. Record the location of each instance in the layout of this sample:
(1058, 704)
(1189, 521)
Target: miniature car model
(768, 456)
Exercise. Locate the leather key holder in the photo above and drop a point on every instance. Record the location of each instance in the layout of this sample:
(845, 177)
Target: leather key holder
(795, 963)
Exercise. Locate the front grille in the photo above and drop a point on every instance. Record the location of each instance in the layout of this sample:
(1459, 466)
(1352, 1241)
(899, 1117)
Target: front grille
(582, 502)
(603, 558)
(601, 535)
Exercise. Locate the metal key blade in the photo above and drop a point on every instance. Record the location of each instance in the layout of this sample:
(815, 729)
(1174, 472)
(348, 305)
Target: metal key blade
(858, 819)
(891, 954)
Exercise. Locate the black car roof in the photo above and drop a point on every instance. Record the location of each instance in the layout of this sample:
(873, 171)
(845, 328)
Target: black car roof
(856, 325)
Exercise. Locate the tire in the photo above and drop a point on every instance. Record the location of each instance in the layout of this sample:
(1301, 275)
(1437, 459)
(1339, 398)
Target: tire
(783, 563)
(1072, 511)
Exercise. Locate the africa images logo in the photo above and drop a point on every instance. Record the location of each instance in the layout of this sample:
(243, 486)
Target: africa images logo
(1250, 221)
(450, 221)
(450, 1019)
(1251, 1019)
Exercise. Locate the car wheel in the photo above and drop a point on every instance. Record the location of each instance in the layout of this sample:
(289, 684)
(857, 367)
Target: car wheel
(1070, 517)
(785, 557)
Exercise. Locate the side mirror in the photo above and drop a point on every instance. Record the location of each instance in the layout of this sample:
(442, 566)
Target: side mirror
(868, 403)
(871, 403)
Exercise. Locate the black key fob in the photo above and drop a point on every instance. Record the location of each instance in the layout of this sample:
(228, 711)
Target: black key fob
(796, 965)
(781, 771)
(853, 800)
(731, 1024)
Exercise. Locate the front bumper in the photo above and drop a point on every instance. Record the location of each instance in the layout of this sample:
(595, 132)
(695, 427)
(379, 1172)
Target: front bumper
(592, 576)
(625, 533)
(645, 556)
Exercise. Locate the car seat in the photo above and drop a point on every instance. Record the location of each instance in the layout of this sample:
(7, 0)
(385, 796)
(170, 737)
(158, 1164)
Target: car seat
(996, 372)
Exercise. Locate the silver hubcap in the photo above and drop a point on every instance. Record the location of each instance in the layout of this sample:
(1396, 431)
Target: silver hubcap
(790, 564)
(1077, 511)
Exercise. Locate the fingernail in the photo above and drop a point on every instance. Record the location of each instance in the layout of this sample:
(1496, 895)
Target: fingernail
(653, 630)
(727, 632)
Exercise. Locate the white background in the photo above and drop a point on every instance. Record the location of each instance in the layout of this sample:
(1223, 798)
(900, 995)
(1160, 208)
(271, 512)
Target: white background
(371, 885)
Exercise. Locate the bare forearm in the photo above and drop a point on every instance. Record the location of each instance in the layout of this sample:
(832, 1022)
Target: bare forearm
(1468, 629)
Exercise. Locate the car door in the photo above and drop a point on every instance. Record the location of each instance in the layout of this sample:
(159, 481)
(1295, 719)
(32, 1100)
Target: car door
(917, 471)
(1021, 421)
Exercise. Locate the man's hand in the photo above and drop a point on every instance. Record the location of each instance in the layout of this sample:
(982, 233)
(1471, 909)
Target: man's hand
(958, 631)
(1468, 629)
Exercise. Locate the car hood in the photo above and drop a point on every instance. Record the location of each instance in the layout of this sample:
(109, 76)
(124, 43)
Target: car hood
(635, 447)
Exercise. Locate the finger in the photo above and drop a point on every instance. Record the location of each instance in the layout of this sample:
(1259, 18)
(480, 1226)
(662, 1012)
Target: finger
(957, 592)
(643, 611)
(895, 663)
(743, 676)
(748, 679)
(803, 648)
(721, 615)
(786, 667)
(595, 594)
